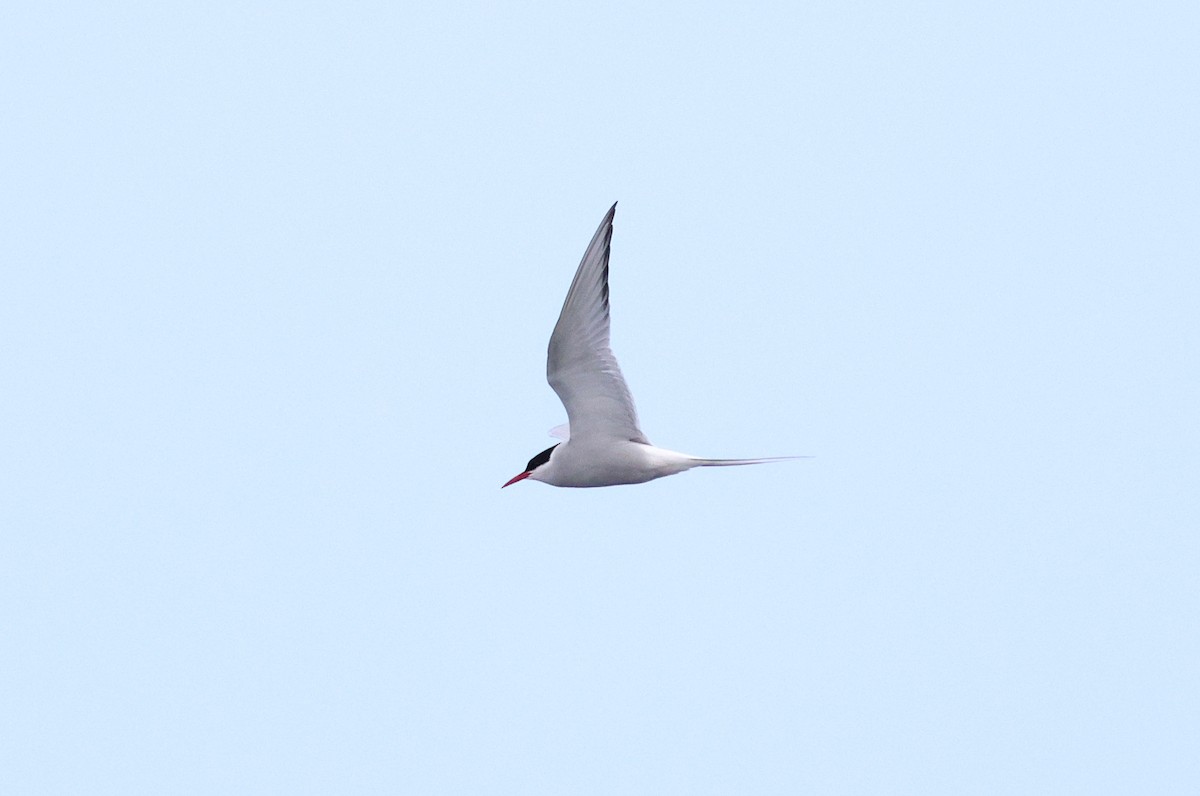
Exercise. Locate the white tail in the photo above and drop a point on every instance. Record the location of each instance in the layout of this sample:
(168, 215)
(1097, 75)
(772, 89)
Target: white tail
(737, 462)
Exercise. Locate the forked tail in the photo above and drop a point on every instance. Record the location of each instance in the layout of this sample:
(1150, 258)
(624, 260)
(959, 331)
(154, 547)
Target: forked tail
(736, 462)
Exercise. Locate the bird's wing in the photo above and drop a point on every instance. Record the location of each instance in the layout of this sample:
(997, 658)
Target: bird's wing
(579, 365)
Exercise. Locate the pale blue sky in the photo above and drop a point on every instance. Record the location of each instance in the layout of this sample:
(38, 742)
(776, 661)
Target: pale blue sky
(276, 288)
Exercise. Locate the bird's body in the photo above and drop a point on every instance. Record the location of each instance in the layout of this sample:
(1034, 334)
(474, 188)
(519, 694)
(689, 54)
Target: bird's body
(599, 462)
(604, 445)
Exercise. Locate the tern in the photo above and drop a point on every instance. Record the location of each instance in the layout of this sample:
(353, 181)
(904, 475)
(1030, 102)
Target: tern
(603, 443)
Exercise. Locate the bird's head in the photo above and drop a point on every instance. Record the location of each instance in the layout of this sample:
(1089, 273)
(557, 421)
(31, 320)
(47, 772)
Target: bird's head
(538, 462)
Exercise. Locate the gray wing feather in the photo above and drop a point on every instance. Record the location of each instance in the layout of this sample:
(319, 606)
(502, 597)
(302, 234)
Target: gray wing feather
(580, 366)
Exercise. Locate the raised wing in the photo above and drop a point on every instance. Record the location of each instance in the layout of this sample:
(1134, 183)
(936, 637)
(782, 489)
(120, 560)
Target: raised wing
(579, 364)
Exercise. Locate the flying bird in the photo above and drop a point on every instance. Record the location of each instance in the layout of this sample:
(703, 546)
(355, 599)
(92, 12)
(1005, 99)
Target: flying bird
(604, 445)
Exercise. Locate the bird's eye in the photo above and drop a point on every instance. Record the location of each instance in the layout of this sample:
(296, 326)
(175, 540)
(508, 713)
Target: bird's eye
(540, 459)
